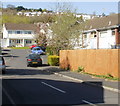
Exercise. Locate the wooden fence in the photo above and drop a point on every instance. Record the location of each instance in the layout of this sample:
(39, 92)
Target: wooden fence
(95, 61)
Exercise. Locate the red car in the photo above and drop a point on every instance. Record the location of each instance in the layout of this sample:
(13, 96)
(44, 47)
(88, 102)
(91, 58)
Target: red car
(34, 45)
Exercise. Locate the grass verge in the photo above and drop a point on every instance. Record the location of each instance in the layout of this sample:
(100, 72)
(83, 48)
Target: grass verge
(108, 77)
(19, 47)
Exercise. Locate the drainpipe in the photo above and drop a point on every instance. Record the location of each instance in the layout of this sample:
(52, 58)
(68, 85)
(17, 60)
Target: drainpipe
(117, 37)
(97, 39)
(82, 40)
(97, 34)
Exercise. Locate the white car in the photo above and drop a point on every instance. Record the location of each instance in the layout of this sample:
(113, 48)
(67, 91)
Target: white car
(2, 65)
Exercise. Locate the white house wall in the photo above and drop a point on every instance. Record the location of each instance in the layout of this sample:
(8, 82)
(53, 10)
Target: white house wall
(90, 43)
(5, 33)
(21, 36)
(3, 43)
(5, 40)
(6, 37)
(105, 40)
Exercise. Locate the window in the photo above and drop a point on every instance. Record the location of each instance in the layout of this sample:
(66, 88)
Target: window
(95, 36)
(113, 32)
(9, 32)
(18, 32)
(27, 32)
(18, 41)
(85, 35)
(28, 41)
(103, 33)
(10, 41)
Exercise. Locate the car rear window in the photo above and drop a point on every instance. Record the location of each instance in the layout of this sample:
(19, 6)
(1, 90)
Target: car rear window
(36, 48)
(34, 56)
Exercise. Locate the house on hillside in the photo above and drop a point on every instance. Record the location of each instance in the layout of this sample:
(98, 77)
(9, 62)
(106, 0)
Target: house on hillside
(87, 16)
(18, 35)
(101, 33)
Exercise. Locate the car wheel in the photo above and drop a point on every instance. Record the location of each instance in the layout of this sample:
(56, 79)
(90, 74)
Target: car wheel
(39, 64)
(3, 71)
(28, 65)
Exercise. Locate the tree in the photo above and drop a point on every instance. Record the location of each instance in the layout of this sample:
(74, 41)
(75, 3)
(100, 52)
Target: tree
(40, 37)
(65, 30)
(44, 10)
(40, 9)
(14, 19)
(10, 6)
(45, 18)
(20, 8)
(103, 14)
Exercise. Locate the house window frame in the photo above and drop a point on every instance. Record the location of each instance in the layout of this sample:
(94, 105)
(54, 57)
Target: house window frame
(16, 32)
(113, 32)
(103, 32)
(85, 36)
(28, 41)
(18, 41)
(27, 32)
(10, 32)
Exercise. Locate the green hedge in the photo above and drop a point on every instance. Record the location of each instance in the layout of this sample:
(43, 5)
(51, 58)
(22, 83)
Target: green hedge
(53, 60)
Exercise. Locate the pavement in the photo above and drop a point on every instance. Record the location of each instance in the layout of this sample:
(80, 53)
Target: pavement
(88, 79)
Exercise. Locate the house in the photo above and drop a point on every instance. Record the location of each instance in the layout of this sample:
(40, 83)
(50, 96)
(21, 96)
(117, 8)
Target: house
(87, 16)
(18, 35)
(101, 33)
(33, 13)
(20, 13)
(39, 13)
(27, 14)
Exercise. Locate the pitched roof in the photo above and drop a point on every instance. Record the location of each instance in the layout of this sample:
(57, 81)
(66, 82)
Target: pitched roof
(13, 26)
(103, 22)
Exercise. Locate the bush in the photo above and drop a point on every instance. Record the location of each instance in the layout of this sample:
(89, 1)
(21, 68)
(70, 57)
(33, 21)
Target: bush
(80, 69)
(53, 60)
(49, 50)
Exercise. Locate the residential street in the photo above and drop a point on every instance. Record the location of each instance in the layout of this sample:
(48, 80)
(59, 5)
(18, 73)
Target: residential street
(39, 85)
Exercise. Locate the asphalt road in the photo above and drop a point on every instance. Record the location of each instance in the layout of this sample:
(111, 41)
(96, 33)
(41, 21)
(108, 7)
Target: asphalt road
(39, 85)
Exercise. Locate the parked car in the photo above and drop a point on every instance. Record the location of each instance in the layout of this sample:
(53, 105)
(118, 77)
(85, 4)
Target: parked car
(34, 45)
(2, 65)
(37, 50)
(43, 48)
(34, 59)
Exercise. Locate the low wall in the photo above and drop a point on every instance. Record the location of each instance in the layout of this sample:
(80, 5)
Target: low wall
(95, 61)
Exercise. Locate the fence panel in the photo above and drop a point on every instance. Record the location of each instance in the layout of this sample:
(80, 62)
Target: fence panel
(95, 61)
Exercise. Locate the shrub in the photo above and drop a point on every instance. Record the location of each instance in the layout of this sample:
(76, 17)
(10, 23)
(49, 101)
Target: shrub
(49, 50)
(109, 75)
(80, 69)
(53, 60)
